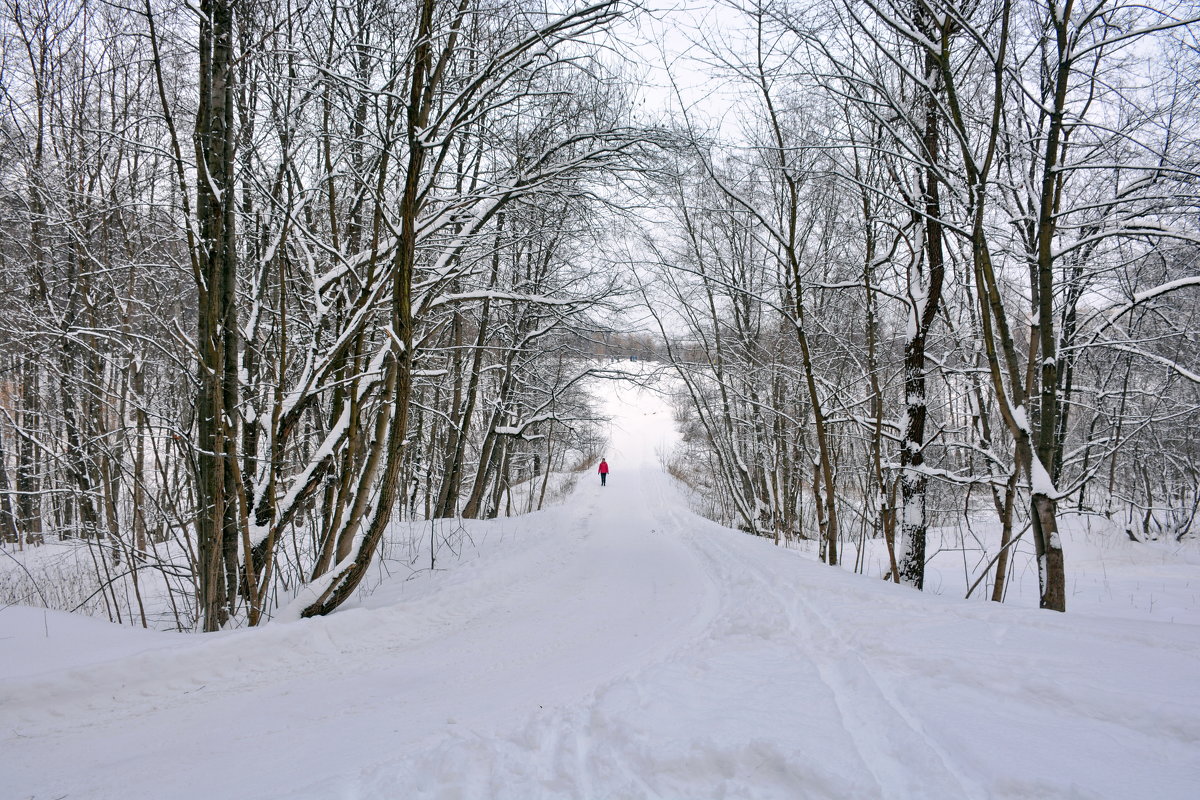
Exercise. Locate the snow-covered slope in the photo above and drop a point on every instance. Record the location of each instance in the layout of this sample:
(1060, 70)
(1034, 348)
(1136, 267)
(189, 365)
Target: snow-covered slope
(613, 647)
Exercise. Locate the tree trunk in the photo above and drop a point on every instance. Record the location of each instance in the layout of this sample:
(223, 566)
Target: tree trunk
(924, 296)
(217, 525)
(8, 517)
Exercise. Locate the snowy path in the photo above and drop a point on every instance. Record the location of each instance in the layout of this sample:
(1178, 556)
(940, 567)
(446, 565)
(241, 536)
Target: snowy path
(614, 647)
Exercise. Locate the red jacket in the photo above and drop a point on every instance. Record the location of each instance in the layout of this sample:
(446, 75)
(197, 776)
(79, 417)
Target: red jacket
(603, 467)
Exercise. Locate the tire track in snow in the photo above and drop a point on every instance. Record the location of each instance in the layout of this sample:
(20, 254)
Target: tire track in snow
(898, 772)
(573, 748)
(919, 769)
(446, 674)
(610, 741)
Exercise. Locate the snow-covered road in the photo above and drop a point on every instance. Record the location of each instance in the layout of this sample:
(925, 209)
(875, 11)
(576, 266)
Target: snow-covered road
(616, 646)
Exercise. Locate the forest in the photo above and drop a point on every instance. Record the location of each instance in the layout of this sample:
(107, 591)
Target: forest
(276, 276)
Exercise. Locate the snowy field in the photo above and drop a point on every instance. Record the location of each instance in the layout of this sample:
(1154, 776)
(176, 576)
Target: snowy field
(617, 646)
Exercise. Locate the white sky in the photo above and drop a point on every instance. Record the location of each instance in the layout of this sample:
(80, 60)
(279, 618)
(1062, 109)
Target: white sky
(666, 46)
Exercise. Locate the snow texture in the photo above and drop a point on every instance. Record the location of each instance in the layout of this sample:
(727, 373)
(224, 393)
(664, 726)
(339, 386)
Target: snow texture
(1040, 482)
(616, 646)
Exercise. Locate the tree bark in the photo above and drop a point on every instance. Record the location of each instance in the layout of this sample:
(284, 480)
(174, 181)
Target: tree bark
(217, 527)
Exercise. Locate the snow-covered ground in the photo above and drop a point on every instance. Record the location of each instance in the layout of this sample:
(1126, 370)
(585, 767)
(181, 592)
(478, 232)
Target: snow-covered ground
(616, 646)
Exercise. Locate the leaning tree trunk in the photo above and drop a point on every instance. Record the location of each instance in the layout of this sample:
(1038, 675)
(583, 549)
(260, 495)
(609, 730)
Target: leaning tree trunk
(387, 451)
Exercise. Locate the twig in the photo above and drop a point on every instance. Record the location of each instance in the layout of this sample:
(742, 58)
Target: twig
(988, 568)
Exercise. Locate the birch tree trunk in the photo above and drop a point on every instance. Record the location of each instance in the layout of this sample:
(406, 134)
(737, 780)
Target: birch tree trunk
(925, 279)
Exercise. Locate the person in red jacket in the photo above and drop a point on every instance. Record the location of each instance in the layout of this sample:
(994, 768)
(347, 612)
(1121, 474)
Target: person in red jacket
(603, 471)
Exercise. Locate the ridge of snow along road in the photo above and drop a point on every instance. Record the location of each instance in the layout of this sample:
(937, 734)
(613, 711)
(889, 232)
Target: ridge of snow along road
(616, 646)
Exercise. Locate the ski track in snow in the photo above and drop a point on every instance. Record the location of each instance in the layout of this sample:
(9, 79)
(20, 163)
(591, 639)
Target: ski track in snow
(614, 647)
